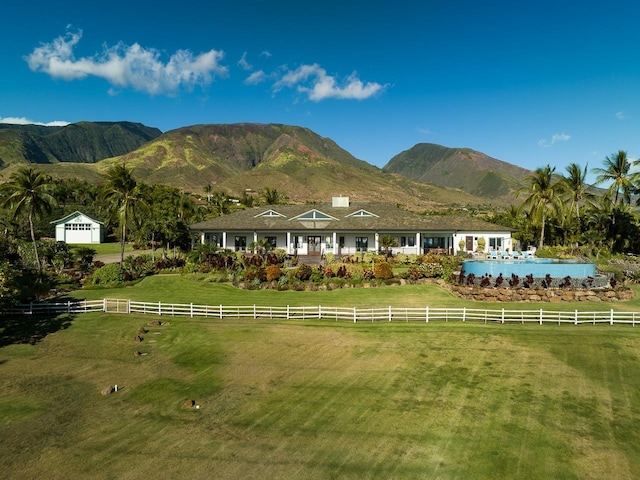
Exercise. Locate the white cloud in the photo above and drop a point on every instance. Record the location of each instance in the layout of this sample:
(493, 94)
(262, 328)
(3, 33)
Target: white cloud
(26, 121)
(558, 137)
(317, 85)
(128, 66)
(255, 78)
(425, 131)
(243, 64)
(621, 116)
(266, 54)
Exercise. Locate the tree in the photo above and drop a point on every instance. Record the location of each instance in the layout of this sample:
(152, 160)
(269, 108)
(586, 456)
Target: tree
(387, 242)
(616, 170)
(29, 192)
(543, 197)
(271, 196)
(575, 192)
(123, 196)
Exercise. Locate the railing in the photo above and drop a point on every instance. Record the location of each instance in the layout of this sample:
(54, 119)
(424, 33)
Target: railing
(319, 312)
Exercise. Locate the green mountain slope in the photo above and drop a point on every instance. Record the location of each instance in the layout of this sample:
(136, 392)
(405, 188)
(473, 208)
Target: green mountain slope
(84, 142)
(461, 168)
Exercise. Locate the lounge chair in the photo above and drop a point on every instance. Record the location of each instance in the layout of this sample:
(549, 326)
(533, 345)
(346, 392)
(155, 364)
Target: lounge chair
(505, 255)
(493, 255)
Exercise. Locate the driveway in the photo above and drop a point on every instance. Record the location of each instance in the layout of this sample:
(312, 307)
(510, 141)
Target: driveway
(115, 257)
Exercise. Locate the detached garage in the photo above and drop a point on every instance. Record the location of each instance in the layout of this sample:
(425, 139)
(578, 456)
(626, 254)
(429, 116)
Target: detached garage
(79, 228)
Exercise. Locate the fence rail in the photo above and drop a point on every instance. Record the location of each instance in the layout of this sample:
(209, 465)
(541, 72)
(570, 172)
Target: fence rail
(319, 312)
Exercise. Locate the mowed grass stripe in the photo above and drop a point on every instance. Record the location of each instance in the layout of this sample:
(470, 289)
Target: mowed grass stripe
(318, 400)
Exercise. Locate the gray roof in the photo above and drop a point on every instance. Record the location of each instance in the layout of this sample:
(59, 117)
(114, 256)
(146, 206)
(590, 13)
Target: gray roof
(357, 216)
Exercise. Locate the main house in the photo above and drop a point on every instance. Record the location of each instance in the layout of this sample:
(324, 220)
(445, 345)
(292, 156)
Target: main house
(345, 228)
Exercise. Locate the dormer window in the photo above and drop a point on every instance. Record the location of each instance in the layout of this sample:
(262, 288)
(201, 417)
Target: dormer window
(269, 214)
(314, 215)
(362, 214)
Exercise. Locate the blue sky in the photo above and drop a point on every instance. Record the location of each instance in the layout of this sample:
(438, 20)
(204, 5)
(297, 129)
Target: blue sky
(529, 83)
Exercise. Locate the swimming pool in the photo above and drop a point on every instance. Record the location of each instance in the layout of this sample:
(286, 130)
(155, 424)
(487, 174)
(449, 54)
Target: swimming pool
(538, 267)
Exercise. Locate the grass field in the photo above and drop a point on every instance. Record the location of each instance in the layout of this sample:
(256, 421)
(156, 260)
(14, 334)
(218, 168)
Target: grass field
(104, 248)
(315, 400)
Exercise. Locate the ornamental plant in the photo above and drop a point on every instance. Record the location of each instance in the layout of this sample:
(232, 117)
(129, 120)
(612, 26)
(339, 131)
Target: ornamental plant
(383, 271)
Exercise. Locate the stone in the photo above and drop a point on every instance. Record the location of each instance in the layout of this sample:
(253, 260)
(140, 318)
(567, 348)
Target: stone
(138, 339)
(190, 403)
(107, 390)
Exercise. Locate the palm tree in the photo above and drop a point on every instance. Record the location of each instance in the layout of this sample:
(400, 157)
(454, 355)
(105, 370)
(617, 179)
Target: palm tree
(575, 192)
(29, 192)
(616, 170)
(387, 242)
(543, 197)
(123, 195)
(271, 196)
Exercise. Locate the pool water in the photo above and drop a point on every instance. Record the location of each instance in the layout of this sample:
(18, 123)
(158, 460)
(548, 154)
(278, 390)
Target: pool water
(538, 267)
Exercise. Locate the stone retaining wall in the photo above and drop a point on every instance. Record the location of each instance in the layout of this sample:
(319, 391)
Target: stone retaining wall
(553, 295)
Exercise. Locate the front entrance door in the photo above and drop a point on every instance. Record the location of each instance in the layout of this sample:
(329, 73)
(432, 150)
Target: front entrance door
(468, 244)
(315, 245)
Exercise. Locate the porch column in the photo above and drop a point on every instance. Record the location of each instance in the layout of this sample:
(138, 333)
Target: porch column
(202, 237)
(376, 237)
(255, 237)
(289, 243)
(224, 240)
(335, 243)
(418, 243)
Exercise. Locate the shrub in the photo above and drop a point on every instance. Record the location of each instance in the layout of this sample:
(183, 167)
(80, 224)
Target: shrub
(431, 270)
(414, 273)
(303, 272)
(383, 271)
(110, 275)
(273, 273)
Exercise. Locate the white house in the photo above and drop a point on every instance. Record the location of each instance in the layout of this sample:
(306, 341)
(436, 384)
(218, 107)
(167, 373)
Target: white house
(79, 228)
(344, 228)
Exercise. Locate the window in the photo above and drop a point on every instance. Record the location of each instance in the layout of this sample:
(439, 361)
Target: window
(269, 213)
(241, 243)
(298, 241)
(433, 242)
(272, 241)
(77, 226)
(411, 241)
(362, 244)
(314, 215)
(212, 238)
(361, 213)
(328, 241)
(495, 243)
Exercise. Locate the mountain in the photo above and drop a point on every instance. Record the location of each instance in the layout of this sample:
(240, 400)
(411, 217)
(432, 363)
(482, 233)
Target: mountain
(234, 158)
(462, 168)
(296, 161)
(84, 142)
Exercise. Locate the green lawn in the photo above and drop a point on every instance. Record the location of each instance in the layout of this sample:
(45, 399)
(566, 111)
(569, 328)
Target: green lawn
(188, 289)
(317, 400)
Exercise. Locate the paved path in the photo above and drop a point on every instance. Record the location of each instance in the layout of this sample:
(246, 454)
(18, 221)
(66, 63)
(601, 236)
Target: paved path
(115, 257)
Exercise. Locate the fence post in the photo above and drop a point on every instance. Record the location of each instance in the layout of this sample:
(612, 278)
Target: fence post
(502, 318)
(540, 316)
(575, 322)
(129, 306)
(611, 317)
(319, 312)
(427, 314)
(390, 314)
(68, 306)
(191, 309)
(104, 305)
(220, 311)
(464, 313)
(288, 315)
(254, 311)
(355, 315)
(160, 308)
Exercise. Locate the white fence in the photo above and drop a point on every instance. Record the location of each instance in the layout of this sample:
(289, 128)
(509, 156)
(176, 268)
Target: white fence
(318, 312)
